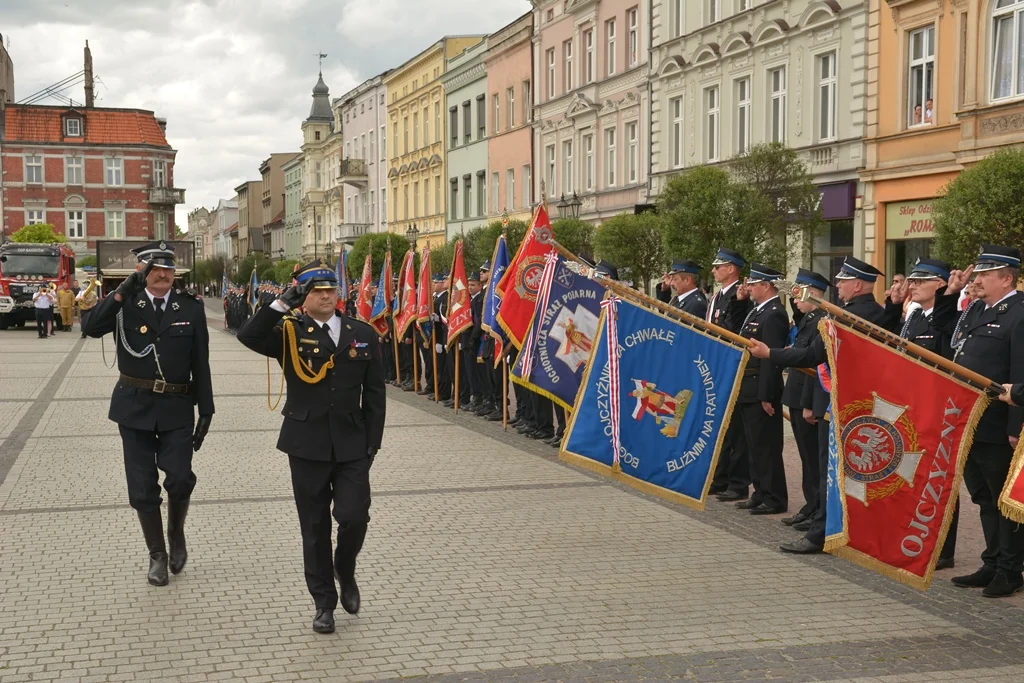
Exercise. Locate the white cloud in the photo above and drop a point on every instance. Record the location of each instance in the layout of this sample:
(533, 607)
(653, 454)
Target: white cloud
(232, 77)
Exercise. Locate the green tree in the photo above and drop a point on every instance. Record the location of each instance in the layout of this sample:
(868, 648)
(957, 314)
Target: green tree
(441, 257)
(575, 235)
(269, 272)
(376, 244)
(981, 205)
(283, 271)
(254, 260)
(87, 261)
(40, 233)
(216, 266)
(478, 245)
(632, 243)
(201, 273)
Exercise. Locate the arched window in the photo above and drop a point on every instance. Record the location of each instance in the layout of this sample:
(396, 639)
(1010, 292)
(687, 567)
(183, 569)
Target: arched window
(1007, 49)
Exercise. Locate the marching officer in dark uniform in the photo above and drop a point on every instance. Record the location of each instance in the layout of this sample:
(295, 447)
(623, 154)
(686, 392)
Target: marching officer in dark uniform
(990, 341)
(760, 397)
(855, 283)
(332, 429)
(732, 476)
(163, 354)
(684, 281)
(806, 400)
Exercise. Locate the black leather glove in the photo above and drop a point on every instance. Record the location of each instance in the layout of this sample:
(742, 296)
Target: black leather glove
(295, 296)
(134, 283)
(202, 427)
(371, 453)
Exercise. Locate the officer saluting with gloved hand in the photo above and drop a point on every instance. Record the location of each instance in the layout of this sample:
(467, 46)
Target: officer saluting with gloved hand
(333, 425)
(163, 353)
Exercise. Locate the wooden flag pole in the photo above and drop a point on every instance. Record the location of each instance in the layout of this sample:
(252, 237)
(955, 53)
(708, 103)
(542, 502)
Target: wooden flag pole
(394, 340)
(415, 365)
(504, 390)
(433, 356)
(457, 354)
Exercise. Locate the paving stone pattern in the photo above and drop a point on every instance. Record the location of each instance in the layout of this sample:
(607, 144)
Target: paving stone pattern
(487, 559)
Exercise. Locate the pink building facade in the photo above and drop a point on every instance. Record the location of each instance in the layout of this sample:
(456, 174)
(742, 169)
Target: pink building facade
(591, 106)
(509, 61)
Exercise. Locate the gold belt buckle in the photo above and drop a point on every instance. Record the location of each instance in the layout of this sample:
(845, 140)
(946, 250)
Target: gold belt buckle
(159, 386)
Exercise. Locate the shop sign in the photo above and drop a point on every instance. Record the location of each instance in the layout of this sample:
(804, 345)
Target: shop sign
(909, 220)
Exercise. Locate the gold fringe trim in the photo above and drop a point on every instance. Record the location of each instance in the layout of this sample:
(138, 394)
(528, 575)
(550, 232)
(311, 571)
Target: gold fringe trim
(639, 484)
(1013, 509)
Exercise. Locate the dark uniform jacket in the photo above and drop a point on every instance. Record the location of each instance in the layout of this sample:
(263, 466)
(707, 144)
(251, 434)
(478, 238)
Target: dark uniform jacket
(476, 333)
(993, 346)
(343, 413)
(182, 343)
(932, 332)
(727, 311)
(762, 379)
(441, 311)
(695, 304)
(800, 387)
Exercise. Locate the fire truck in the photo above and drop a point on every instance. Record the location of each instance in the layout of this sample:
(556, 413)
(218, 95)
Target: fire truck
(115, 262)
(24, 268)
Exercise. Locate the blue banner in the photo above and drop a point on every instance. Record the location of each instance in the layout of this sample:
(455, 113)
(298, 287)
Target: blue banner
(254, 295)
(836, 533)
(561, 336)
(674, 395)
(499, 264)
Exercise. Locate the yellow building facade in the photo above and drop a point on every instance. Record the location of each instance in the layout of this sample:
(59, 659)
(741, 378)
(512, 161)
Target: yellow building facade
(945, 89)
(416, 134)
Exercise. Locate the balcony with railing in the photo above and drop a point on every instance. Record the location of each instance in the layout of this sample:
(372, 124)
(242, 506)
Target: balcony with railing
(166, 196)
(353, 172)
(348, 233)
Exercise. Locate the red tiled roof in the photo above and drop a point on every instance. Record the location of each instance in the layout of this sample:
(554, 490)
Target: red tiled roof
(43, 124)
(233, 228)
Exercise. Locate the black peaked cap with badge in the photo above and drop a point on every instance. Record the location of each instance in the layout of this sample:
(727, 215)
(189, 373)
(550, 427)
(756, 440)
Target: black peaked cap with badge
(855, 269)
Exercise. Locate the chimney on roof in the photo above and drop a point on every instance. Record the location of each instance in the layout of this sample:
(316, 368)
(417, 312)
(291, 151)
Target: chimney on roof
(90, 96)
(162, 123)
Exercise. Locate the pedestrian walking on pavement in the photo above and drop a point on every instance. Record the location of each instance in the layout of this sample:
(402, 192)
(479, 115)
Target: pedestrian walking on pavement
(163, 354)
(332, 429)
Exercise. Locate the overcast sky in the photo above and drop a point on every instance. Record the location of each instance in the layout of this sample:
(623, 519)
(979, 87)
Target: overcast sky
(232, 77)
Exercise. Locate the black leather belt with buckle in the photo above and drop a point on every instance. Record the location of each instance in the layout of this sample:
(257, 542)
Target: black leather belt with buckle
(157, 386)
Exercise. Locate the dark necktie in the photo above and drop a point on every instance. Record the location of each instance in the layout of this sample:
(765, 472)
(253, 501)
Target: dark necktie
(327, 329)
(158, 306)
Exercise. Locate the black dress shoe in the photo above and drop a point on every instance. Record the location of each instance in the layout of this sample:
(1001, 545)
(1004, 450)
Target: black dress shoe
(448, 403)
(795, 519)
(765, 509)
(424, 392)
(540, 434)
(323, 622)
(801, 547)
(802, 526)
(524, 427)
(350, 596)
(729, 496)
(514, 420)
(1004, 585)
(717, 489)
(944, 563)
(495, 416)
(748, 504)
(979, 579)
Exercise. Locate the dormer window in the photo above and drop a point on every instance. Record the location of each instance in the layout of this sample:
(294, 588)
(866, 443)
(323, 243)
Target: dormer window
(73, 128)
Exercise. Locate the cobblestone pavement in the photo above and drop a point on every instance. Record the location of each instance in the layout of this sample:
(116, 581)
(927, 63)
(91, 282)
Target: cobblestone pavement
(487, 559)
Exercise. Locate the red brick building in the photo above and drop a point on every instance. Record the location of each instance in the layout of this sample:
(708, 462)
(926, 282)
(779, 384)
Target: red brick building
(93, 173)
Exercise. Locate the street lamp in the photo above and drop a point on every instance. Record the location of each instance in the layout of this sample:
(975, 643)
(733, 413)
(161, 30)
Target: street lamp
(563, 207)
(574, 205)
(412, 234)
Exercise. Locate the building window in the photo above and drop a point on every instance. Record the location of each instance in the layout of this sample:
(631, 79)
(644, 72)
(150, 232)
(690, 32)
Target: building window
(160, 226)
(550, 156)
(633, 158)
(610, 46)
(467, 122)
(510, 188)
(495, 193)
(34, 169)
(34, 216)
(384, 205)
(426, 198)
(675, 18)
(742, 5)
(496, 114)
(453, 201)
(115, 224)
(827, 96)
(712, 11)
(551, 73)
(633, 19)
(114, 171)
(527, 186)
(415, 130)
(73, 171)
(383, 143)
(481, 118)
(610, 157)
(316, 135)
(159, 173)
(742, 115)
(567, 185)
(416, 200)
(527, 102)
(426, 128)
(318, 175)
(510, 100)
(921, 78)
(373, 137)
(467, 198)
(588, 162)
(73, 128)
(453, 125)
(405, 135)
(76, 225)
(405, 201)
(1007, 49)
(567, 66)
(777, 105)
(711, 123)
(588, 57)
(372, 215)
(675, 106)
(437, 121)
(437, 194)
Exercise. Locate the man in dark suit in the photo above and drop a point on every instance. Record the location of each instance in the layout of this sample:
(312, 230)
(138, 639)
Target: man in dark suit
(799, 396)
(732, 476)
(163, 354)
(760, 399)
(440, 320)
(684, 278)
(332, 429)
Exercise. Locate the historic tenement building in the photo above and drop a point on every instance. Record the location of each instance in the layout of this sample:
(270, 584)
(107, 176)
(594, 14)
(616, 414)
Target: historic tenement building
(465, 88)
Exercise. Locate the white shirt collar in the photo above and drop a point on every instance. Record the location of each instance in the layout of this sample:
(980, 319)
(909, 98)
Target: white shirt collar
(1007, 296)
(761, 305)
(726, 288)
(681, 297)
(166, 297)
(335, 327)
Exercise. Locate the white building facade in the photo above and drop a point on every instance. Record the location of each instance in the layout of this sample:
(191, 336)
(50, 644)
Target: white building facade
(222, 219)
(292, 213)
(465, 87)
(362, 113)
(729, 74)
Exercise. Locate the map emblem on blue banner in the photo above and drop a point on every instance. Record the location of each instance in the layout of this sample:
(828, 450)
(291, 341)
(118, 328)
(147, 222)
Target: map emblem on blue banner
(670, 404)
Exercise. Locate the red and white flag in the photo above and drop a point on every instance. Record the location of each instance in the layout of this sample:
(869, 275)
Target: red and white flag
(521, 282)
(405, 314)
(460, 313)
(364, 304)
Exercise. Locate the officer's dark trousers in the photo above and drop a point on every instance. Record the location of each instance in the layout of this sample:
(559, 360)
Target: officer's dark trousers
(544, 414)
(485, 379)
(816, 534)
(985, 472)
(764, 441)
(405, 361)
(145, 452)
(733, 471)
(44, 321)
(466, 375)
(806, 436)
(524, 403)
(427, 363)
(444, 380)
(315, 485)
